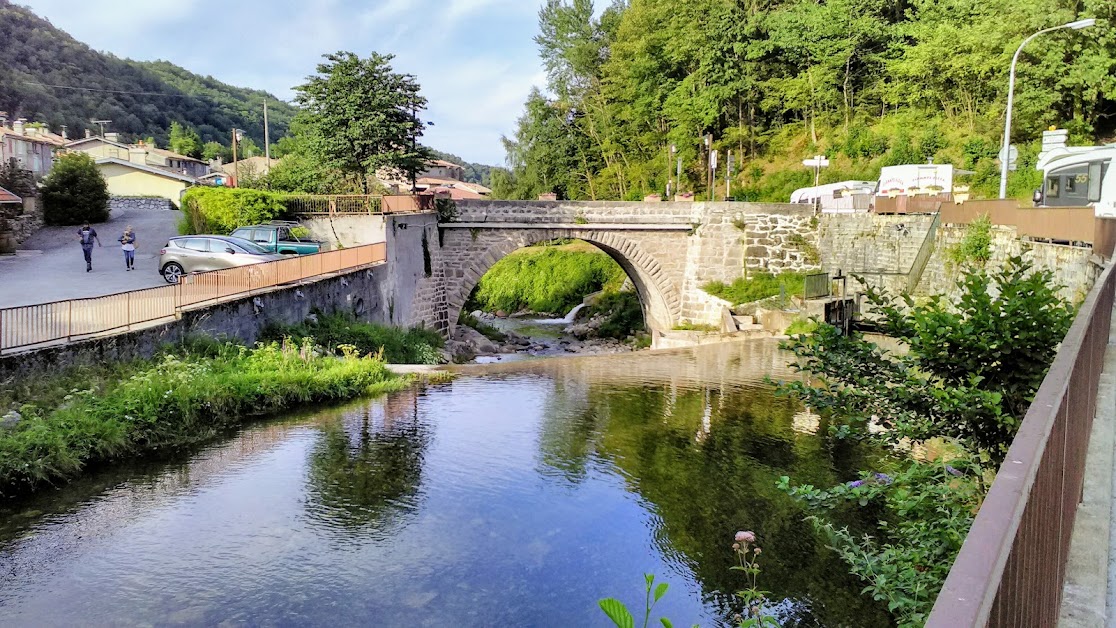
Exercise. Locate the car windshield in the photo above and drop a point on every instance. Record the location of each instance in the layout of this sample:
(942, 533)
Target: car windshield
(250, 247)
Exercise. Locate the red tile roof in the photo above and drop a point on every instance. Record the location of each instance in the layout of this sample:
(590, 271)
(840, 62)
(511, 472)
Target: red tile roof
(8, 197)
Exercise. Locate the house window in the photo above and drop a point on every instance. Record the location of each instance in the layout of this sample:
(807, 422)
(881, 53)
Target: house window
(1052, 187)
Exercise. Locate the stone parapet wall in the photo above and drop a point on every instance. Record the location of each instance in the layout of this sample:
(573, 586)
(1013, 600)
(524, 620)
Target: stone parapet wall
(604, 212)
(30, 221)
(139, 203)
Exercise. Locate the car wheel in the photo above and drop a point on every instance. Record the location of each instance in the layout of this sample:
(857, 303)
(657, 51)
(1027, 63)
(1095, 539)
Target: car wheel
(173, 272)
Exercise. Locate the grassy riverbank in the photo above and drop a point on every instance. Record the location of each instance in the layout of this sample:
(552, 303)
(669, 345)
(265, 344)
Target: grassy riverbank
(546, 279)
(758, 285)
(337, 331)
(185, 396)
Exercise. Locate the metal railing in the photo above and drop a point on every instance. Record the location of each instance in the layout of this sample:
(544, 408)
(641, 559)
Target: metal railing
(32, 326)
(1012, 566)
(818, 286)
(333, 204)
(924, 253)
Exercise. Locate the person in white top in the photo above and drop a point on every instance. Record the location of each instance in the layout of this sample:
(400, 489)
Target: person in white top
(128, 244)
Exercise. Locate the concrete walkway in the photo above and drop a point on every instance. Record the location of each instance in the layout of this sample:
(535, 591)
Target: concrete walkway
(1089, 593)
(58, 272)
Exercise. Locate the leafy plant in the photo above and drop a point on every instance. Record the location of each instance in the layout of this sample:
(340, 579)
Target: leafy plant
(74, 192)
(620, 615)
(220, 210)
(337, 330)
(545, 279)
(757, 286)
(623, 314)
(976, 245)
(801, 326)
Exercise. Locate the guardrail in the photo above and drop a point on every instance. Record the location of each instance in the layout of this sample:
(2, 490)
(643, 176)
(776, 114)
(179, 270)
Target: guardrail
(44, 324)
(1012, 566)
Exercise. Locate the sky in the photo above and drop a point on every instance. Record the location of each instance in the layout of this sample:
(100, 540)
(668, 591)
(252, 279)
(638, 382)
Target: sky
(476, 60)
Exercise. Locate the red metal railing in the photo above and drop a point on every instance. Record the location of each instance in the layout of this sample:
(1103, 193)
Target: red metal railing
(1011, 569)
(64, 321)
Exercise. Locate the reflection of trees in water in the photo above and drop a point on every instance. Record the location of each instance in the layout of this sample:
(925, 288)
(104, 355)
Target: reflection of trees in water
(365, 473)
(707, 461)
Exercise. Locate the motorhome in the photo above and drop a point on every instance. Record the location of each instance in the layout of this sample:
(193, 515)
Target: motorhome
(915, 180)
(841, 197)
(1078, 176)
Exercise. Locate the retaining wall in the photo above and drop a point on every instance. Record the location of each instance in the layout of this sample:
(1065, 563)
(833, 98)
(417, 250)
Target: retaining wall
(139, 203)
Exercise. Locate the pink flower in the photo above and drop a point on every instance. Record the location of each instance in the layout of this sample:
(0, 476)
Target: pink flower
(745, 537)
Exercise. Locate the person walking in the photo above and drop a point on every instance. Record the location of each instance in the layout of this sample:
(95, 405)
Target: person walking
(87, 235)
(128, 245)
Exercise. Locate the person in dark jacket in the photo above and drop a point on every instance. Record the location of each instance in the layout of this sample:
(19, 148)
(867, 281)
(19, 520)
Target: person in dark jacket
(87, 235)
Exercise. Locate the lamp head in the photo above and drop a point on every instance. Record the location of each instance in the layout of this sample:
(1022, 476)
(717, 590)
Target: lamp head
(1080, 24)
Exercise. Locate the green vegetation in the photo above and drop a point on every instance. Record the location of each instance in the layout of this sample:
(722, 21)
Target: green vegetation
(801, 326)
(141, 98)
(338, 332)
(868, 83)
(623, 314)
(75, 192)
(690, 326)
(184, 141)
(220, 210)
(976, 246)
(758, 285)
(185, 396)
(359, 115)
(962, 388)
(545, 279)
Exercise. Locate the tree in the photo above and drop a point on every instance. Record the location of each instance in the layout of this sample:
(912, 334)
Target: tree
(359, 115)
(184, 141)
(216, 150)
(74, 192)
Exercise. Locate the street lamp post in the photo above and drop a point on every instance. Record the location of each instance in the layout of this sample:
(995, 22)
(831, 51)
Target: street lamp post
(1005, 156)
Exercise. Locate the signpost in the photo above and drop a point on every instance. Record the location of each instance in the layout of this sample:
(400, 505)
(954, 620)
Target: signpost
(817, 162)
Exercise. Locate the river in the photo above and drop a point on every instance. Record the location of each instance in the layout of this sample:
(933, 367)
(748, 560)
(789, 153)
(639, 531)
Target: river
(517, 495)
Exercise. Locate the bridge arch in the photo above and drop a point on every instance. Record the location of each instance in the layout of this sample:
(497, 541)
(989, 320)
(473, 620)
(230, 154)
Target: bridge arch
(659, 297)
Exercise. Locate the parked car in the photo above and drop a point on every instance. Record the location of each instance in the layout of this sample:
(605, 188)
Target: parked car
(277, 238)
(201, 253)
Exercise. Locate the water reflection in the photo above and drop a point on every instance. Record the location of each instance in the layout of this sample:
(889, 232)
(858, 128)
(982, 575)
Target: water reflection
(517, 495)
(365, 472)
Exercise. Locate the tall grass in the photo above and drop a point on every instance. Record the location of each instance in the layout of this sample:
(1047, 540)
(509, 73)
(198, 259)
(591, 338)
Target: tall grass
(545, 279)
(335, 331)
(185, 396)
(758, 285)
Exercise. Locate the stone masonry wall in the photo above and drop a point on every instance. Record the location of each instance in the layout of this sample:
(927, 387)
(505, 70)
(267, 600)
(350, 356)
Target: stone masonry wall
(30, 221)
(416, 293)
(139, 203)
(1072, 266)
(882, 249)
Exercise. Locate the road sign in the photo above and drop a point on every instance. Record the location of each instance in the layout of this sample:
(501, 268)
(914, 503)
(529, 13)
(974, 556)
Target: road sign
(817, 161)
(1014, 153)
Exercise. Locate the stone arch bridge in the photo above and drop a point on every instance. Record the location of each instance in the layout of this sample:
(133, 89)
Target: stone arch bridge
(669, 250)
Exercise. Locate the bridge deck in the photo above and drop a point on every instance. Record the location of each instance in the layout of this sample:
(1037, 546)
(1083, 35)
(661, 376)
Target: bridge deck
(596, 226)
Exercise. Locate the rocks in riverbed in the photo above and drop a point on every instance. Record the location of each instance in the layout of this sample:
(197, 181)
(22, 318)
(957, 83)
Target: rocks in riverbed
(10, 420)
(587, 328)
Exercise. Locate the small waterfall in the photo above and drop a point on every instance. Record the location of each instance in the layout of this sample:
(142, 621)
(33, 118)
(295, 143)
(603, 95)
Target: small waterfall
(569, 318)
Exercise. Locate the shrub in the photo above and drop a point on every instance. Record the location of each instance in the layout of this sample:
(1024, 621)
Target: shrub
(75, 192)
(976, 246)
(220, 210)
(623, 314)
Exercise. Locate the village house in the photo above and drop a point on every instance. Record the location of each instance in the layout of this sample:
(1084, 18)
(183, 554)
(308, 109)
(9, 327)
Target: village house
(110, 146)
(32, 150)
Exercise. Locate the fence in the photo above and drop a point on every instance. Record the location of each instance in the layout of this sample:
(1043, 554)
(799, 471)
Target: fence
(1067, 224)
(1011, 569)
(333, 204)
(65, 321)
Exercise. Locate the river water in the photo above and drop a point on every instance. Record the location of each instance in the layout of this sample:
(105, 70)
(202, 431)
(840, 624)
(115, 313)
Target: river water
(517, 495)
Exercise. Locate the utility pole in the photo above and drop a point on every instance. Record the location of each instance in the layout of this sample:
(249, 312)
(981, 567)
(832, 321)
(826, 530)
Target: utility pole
(267, 142)
(708, 164)
(670, 162)
(236, 170)
(713, 175)
(678, 177)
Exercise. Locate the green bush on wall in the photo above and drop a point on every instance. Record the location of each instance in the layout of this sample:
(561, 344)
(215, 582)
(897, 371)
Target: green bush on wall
(220, 210)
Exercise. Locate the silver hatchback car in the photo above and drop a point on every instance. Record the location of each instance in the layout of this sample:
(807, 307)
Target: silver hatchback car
(201, 253)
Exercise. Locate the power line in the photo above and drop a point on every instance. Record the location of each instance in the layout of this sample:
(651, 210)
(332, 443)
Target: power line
(106, 91)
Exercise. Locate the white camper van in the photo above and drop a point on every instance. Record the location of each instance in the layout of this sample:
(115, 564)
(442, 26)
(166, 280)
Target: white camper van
(1079, 176)
(841, 197)
(916, 179)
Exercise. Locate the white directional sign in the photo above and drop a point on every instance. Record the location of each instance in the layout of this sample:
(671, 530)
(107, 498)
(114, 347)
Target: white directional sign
(1014, 152)
(817, 161)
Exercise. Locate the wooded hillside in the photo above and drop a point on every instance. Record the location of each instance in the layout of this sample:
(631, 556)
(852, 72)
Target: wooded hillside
(141, 98)
(867, 82)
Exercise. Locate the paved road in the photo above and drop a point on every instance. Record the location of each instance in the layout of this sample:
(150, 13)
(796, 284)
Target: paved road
(59, 272)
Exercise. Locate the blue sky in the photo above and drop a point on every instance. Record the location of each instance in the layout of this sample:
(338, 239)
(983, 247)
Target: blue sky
(475, 59)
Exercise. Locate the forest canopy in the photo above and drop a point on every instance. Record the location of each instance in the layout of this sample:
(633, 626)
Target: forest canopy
(867, 82)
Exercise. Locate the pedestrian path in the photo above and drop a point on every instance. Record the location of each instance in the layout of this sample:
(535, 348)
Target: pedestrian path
(53, 269)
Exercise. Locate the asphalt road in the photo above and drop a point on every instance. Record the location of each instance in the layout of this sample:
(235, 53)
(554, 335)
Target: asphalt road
(58, 273)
